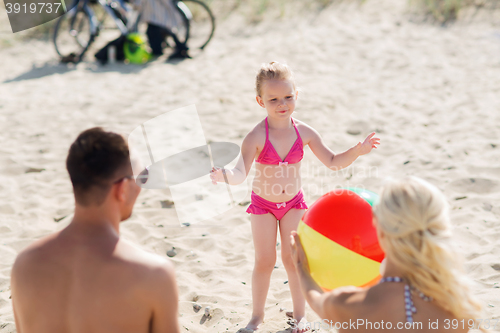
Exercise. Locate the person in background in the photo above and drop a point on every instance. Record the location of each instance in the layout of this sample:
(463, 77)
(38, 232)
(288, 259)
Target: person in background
(163, 19)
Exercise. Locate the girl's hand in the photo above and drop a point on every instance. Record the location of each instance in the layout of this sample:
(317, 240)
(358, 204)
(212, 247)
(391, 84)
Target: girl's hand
(367, 145)
(298, 254)
(216, 175)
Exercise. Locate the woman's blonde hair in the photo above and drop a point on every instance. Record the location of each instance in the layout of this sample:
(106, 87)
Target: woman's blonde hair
(273, 71)
(414, 219)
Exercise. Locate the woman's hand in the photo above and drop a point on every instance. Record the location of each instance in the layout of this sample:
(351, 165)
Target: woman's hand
(216, 175)
(367, 145)
(298, 254)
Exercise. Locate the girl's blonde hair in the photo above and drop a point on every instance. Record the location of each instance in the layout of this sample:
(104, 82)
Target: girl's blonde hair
(273, 71)
(413, 216)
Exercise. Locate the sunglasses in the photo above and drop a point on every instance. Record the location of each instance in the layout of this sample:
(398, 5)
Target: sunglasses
(121, 179)
(142, 178)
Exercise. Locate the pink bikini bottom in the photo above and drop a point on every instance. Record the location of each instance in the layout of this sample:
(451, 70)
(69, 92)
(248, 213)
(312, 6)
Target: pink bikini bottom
(260, 206)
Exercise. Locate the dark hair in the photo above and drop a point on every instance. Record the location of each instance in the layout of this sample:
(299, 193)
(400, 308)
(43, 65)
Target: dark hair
(94, 160)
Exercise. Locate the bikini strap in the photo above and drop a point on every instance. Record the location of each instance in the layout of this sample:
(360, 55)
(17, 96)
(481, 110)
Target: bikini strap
(294, 126)
(409, 306)
(267, 130)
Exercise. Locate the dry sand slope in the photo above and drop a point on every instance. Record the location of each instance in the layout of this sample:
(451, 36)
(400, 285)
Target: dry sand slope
(432, 94)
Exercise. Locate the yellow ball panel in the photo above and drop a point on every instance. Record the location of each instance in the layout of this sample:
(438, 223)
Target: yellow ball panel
(333, 265)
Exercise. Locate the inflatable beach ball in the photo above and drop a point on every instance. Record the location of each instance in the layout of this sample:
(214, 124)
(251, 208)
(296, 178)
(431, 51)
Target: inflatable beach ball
(340, 240)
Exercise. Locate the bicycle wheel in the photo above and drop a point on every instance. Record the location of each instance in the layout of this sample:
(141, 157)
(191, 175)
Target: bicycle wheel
(201, 25)
(72, 33)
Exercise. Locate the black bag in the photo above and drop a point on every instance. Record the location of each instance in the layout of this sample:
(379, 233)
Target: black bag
(102, 54)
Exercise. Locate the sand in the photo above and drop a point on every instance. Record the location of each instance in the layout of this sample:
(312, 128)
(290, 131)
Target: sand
(431, 93)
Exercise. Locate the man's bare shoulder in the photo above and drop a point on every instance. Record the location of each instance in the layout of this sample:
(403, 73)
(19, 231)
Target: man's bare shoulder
(157, 273)
(158, 286)
(142, 259)
(60, 251)
(35, 252)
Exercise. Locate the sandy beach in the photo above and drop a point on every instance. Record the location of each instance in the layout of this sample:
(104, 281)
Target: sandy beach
(432, 94)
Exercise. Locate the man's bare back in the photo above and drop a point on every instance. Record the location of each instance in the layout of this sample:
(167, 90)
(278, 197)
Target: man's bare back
(90, 281)
(85, 278)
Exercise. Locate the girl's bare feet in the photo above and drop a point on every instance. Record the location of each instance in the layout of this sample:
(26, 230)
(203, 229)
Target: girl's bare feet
(254, 323)
(299, 324)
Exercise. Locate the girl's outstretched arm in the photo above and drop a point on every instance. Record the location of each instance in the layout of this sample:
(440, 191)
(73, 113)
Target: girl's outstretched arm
(239, 173)
(341, 160)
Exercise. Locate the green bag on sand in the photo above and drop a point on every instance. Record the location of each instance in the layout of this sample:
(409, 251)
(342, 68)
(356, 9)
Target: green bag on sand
(135, 49)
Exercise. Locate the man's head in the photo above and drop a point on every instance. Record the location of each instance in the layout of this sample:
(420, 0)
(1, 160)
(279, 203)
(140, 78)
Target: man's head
(98, 164)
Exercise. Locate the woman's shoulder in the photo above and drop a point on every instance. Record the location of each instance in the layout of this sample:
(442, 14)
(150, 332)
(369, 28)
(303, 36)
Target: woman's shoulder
(347, 294)
(338, 303)
(352, 301)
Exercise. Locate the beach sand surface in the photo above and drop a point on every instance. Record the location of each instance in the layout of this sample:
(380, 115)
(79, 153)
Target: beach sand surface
(431, 93)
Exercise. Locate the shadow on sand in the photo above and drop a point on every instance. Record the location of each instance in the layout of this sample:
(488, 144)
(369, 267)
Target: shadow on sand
(52, 67)
(37, 72)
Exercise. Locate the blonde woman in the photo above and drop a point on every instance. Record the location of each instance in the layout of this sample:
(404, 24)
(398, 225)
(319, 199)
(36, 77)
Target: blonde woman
(423, 287)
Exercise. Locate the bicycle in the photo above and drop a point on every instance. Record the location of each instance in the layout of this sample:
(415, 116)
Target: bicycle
(76, 30)
(199, 23)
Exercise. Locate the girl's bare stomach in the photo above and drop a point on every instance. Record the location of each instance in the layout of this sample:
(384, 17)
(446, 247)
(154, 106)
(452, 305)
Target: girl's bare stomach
(277, 183)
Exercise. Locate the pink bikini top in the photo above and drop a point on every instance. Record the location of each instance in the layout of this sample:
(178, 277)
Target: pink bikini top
(268, 155)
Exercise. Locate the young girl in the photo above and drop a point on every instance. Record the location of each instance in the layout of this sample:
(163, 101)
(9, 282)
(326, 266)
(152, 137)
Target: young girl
(277, 145)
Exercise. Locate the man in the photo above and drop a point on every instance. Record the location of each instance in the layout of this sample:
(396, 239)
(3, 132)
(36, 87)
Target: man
(85, 278)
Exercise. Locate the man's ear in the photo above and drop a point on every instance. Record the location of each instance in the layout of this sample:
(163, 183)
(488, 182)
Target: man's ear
(260, 101)
(119, 190)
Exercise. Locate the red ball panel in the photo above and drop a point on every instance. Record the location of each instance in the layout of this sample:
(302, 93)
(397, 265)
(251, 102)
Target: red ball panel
(345, 218)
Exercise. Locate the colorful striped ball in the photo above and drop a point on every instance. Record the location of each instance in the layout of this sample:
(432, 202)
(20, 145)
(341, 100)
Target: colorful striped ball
(340, 241)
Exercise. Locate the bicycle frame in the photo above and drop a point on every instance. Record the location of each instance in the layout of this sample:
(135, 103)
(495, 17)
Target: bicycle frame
(83, 5)
(110, 11)
(94, 23)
